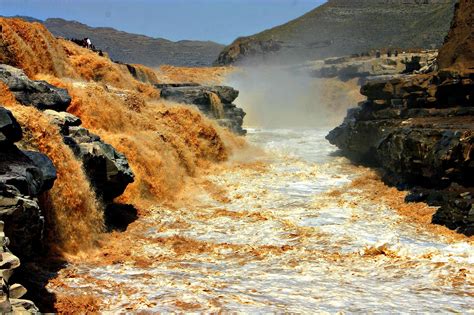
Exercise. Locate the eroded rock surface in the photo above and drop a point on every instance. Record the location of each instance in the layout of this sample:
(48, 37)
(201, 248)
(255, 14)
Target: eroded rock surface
(214, 101)
(23, 176)
(39, 94)
(420, 129)
(107, 169)
(357, 66)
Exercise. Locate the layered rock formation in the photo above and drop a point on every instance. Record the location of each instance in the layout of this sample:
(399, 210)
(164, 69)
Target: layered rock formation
(357, 66)
(214, 101)
(420, 130)
(23, 177)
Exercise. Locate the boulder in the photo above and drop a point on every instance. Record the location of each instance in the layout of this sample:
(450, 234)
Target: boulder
(214, 101)
(46, 166)
(63, 119)
(10, 130)
(24, 221)
(19, 170)
(107, 169)
(39, 94)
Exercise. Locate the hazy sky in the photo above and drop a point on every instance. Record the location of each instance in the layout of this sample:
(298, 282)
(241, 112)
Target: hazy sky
(218, 20)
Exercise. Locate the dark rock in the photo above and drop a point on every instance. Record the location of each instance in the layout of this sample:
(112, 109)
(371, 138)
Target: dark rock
(416, 197)
(168, 85)
(10, 294)
(46, 166)
(214, 101)
(107, 169)
(419, 129)
(35, 93)
(119, 216)
(24, 221)
(10, 130)
(18, 170)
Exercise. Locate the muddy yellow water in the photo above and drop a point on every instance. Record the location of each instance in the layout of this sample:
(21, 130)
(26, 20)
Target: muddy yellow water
(284, 231)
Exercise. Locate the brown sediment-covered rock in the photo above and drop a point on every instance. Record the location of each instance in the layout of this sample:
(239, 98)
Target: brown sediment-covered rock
(458, 49)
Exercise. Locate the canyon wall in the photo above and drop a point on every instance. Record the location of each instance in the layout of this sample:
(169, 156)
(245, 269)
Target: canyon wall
(419, 130)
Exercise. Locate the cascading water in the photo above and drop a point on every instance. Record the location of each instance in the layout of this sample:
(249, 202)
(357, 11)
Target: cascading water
(297, 229)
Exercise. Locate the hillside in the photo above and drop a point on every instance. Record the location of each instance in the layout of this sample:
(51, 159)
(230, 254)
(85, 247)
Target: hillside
(134, 48)
(342, 27)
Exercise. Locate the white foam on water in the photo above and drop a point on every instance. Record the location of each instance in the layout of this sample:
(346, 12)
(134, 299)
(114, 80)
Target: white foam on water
(290, 247)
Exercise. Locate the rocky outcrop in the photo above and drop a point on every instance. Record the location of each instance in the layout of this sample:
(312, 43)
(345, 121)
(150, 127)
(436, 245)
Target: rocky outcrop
(357, 66)
(23, 176)
(10, 130)
(107, 169)
(10, 295)
(39, 94)
(458, 50)
(420, 130)
(214, 101)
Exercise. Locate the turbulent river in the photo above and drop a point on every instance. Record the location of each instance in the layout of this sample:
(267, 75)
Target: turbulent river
(287, 231)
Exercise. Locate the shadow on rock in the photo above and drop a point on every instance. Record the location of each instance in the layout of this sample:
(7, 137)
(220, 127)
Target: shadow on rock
(119, 216)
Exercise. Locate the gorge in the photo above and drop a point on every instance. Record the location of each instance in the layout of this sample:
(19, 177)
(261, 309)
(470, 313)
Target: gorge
(127, 189)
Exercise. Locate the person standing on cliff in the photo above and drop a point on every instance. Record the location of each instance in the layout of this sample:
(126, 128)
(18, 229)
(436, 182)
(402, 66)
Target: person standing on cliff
(88, 43)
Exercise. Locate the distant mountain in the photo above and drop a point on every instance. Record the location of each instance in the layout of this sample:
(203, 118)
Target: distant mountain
(134, 48)
(343, 27)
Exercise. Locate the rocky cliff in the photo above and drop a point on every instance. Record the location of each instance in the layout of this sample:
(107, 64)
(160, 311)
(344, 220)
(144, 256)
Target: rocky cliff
(356, 66)
(344, 27)
(214, 101)
(419, 130)
(458, 50)
(24, 175)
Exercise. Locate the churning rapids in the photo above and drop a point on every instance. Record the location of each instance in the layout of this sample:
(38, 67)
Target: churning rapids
(288, 231)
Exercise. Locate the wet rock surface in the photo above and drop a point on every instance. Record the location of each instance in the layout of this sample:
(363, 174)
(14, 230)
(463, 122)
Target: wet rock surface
(107, 169)
(214, 101)
(39, 94)
(24, 175)
(10, 130)
(420, 130)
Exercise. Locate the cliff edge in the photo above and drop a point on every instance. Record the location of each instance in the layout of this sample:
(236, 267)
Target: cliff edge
(419, 129)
